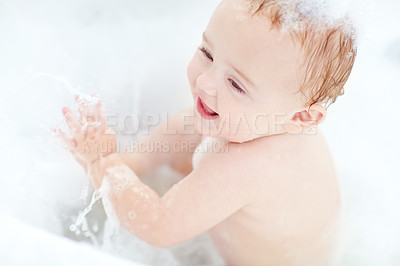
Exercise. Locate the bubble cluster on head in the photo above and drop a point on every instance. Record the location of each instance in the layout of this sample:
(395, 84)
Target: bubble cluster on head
(320, 14)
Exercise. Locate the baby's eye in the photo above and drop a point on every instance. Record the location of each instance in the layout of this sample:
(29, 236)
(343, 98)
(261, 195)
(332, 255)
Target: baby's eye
(237, 87)
(206, 53)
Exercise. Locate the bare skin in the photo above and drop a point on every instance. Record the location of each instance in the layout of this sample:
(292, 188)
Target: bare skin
(290, 220)
(271, 197)
(295, 217)
(264, 202)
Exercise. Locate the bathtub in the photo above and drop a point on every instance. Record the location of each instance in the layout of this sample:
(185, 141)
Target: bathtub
(127, 52)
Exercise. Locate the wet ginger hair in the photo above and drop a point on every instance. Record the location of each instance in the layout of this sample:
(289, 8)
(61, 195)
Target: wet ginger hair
(330, 52)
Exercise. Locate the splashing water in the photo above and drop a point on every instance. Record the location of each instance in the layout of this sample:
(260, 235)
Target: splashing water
(42, 75)
(80, 227)
(71, 89)
(111, 227)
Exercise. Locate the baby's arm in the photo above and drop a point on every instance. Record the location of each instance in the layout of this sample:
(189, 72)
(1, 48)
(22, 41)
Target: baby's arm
(215, 190)
(181, 146)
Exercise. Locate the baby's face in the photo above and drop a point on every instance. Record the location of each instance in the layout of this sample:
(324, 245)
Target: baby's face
(245, 72)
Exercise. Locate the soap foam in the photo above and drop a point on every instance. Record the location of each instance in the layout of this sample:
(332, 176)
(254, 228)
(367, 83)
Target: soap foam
(349, 15)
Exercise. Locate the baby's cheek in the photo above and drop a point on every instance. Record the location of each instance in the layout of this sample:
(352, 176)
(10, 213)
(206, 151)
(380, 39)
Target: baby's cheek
(193, 71)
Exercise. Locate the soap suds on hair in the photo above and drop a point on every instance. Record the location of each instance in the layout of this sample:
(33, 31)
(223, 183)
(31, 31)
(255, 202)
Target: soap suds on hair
(349, 15)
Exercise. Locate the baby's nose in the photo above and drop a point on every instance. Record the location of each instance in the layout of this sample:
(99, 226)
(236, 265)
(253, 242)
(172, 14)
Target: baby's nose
(207, 84)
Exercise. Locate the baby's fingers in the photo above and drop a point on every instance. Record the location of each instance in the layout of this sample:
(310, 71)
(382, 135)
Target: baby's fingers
(90, 110)
(102, 121)
(72, 121)
(70, 142)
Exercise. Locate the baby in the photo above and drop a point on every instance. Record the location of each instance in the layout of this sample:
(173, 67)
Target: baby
(269, 194)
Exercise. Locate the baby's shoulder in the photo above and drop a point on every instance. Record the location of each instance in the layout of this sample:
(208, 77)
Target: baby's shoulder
(257, 159)
(274, 156)
(265, 149)
(243, 160)
(294, 164)
(271, 164)
(267, 158)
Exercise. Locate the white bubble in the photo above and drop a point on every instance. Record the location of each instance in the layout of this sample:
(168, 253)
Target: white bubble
(154, 217)
(132, 215)
(145, 227)
(95, 227)
(73, 228)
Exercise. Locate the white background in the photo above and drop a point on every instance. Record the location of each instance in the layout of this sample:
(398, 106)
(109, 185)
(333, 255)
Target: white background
(134, 54)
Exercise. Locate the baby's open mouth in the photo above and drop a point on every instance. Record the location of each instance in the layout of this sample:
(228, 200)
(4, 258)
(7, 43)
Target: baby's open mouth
(205, 111)
(208, 109)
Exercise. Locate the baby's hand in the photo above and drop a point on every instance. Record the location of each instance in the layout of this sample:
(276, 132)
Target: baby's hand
(89, 139)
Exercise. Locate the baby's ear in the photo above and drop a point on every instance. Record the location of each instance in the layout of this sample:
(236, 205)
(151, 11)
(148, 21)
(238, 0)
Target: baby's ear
(306, 118)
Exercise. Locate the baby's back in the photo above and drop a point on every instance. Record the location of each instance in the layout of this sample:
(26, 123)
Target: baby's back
(296, 217)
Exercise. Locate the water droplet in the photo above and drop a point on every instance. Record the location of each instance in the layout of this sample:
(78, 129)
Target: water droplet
(145, 227)
(154, 217)
(95, 227)
(84, 227)
(132, 215)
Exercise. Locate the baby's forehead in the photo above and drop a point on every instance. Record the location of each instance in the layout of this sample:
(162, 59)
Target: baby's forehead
(241, 13)
(235, 29)
(264, 36)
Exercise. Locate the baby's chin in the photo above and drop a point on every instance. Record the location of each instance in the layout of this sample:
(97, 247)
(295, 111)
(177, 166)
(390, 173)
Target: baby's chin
(239, 139)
